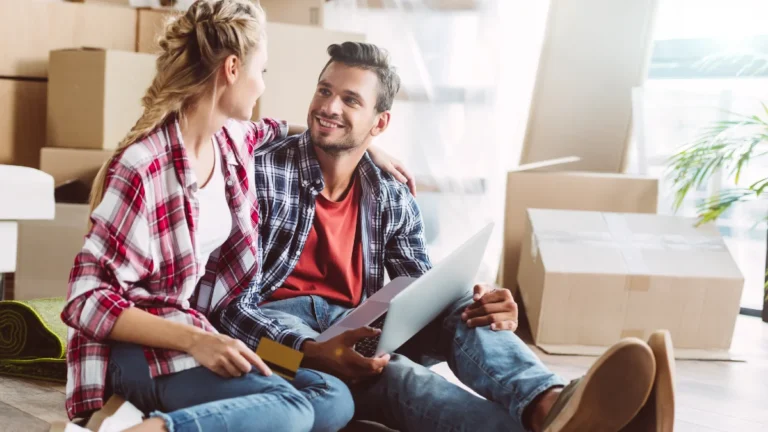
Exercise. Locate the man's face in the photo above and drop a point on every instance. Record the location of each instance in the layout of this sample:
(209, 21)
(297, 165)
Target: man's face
(342, 114)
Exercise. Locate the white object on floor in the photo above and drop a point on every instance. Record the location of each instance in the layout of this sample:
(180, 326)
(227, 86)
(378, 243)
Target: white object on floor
(8, 239)
(125, 417)
(25, 193)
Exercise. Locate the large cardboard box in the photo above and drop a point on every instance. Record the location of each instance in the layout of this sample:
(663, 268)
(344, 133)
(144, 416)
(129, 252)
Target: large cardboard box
(47, 250)
(72, 164)
(588, 279)
(94, 96)
(30, 29)
(150, 23)
(292, 79)
(22, 121)
(582, 99)
(302, 12)
(544, 185)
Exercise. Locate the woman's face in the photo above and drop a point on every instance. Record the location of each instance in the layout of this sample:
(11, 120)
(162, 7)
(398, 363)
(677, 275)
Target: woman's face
(245, 84)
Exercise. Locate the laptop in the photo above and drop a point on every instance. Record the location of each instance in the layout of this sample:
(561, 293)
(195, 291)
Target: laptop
(406, 305)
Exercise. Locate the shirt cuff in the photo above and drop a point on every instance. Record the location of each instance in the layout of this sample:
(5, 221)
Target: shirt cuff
(293, 340)
(101, 311)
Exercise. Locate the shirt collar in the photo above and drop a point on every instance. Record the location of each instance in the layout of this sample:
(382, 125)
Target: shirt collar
(312, 176)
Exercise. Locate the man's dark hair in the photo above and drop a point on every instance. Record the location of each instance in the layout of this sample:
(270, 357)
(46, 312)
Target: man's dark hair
(369, 57)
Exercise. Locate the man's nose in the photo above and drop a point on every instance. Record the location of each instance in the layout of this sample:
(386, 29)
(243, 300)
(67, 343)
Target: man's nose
(331, 107)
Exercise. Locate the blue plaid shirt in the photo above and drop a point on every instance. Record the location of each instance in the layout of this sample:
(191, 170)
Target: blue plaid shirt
(288, 180)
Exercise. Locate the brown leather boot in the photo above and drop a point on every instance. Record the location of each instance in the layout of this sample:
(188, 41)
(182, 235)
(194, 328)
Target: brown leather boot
(658, 413)
(609, 395)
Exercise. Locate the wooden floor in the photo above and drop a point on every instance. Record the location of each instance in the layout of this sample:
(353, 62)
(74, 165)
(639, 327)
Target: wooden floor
(711, 396)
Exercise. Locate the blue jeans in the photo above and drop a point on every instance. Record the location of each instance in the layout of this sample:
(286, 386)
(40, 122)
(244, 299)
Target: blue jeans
(410, 397)
(199, 400)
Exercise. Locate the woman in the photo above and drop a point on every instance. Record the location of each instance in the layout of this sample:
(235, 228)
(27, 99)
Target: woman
(173, 240)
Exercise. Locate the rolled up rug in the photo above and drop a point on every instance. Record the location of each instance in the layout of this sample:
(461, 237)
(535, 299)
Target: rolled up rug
(33, 339)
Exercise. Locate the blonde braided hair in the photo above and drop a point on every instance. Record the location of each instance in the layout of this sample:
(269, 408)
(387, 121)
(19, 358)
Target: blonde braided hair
(193, 47)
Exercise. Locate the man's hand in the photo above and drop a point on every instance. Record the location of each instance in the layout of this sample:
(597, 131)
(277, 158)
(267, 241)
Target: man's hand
(225, 356)
(493, 306)
(338, 357)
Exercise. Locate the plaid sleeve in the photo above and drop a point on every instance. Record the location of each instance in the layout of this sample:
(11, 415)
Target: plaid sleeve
(244, 320)
(406, 253)
(114, 257)
(265, 131)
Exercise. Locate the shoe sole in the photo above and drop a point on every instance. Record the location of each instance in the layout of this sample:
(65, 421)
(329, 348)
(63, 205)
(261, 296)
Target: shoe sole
(612, 392)
(664, 386)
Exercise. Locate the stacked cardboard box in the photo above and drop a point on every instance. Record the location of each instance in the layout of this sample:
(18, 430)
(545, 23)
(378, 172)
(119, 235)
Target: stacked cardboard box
(94, 97)
(594, 263)
(85, 96)
(297, 54)
(35, 28)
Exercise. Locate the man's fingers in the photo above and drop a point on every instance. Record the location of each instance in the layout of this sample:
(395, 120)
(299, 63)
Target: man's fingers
(498, 296)
(368, 366)
(351, 337)
(480, 290)
(485, 309)
(487, 320)
(504, 325)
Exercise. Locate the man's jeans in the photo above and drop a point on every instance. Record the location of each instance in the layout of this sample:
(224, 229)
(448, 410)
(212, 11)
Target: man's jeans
(410, 397)
(199, 400)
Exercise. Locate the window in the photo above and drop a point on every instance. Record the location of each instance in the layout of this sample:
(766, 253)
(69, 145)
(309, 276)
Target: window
(710, 57)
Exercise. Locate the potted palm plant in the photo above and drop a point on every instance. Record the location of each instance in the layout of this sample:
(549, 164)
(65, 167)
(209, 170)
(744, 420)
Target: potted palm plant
(725, 148)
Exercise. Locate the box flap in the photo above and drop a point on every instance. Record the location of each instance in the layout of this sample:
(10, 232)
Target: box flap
(547, 165)
(635, 244)
(82, 48)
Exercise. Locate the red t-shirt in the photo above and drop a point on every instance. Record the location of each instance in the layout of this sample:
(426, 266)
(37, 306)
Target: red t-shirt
(331, 264)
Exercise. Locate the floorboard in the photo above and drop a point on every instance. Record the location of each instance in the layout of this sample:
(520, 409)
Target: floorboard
(711, 396)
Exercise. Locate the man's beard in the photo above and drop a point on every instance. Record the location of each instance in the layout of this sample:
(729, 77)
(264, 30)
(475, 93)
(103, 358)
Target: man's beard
(345, 145)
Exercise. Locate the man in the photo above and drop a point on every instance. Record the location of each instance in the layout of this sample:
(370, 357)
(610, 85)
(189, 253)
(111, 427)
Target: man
(331, 223)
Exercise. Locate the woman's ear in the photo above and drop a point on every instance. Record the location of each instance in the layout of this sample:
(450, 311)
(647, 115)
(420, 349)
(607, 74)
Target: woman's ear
(231, 68)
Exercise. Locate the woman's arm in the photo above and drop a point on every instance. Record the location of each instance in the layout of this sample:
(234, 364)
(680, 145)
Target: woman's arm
(219, 353)
(388, 164)
(294, 129)
(115, 257)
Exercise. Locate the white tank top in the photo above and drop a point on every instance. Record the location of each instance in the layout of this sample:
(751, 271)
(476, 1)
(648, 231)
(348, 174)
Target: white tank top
(214, 222)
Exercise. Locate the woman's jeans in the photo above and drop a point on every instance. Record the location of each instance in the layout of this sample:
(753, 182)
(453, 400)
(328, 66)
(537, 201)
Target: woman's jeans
(199, 400)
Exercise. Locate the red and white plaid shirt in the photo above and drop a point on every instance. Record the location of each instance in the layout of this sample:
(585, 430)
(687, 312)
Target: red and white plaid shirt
(142, 251)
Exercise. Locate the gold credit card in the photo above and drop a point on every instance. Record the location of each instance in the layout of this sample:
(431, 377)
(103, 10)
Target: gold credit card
(283, 360)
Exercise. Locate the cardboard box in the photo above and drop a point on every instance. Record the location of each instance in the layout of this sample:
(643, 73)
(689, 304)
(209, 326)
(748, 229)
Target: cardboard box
(22, 120)
(150, 22)
(582, 99)
(72, 164)
(588, 279)
(302, 12)
(30, 29)
(47, 250)
(94, 96)
(166, 4)
(544, 185)
(291, 80)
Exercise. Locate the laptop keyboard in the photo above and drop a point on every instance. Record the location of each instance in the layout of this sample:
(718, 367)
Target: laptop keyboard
(367, 347)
